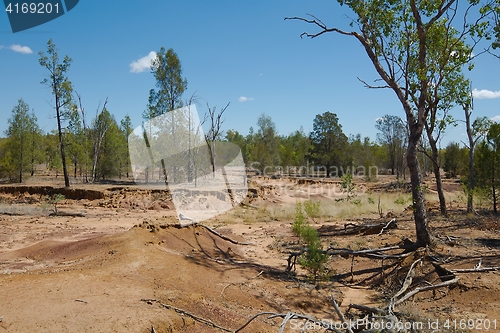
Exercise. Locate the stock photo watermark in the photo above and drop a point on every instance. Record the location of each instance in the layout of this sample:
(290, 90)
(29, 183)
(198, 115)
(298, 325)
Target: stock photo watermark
(379, 325)
(24, 15)
(315, 171)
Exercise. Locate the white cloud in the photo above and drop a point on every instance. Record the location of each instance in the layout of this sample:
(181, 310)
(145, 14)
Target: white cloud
(244, 99)
(140, 65)
(496, 119)
(482, 94)
(1, 47)
(20, 49)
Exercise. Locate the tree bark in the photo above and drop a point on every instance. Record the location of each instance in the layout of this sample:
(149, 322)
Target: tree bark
(472, 143)
(419, 212)
(437, 172)
(61, 141)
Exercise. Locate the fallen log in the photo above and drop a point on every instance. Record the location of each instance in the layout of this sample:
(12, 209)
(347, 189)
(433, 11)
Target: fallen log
(355, 229)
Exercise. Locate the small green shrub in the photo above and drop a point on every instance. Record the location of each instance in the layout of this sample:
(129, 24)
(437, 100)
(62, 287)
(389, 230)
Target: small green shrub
(401, 200)
(356, 202)
(299, 222)
(312, 208)
(347, 185)
(314, 259)
(371, 201)
(54, 200)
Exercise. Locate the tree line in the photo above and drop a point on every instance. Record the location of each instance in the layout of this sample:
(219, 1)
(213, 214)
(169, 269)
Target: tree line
(99, 150)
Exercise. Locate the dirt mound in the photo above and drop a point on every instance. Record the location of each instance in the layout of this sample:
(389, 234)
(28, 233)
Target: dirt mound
(96, 285)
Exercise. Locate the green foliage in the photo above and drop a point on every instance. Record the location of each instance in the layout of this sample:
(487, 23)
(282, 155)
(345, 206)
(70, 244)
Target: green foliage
(347, 185)
(55, 199)
(487, 164)
(62, 90)
(328, 140)
(294, 150)
(126, 129)
(299, 222)
(392, 135)
(23, 133)
(356, 202)
(110, 148)
(265, 145)
(313, 259)
(455, 160)
(312, 208)
(402, 200)
(170, 85)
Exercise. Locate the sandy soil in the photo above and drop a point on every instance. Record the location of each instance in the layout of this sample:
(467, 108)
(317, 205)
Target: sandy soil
(95, 272)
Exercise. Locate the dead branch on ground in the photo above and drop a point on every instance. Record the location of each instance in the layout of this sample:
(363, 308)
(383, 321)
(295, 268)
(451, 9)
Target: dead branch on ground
(354, 229)
(420, 289)
(290, 315)
(386, 226)
(341, 316)
(367, 309)
(346, 253)
(224, 237)
(189, 314)
(240, 283)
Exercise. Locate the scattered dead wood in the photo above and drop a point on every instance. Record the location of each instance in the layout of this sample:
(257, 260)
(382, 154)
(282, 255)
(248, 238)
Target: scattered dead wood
(81, 301)
(189, 314)
(408, 280)
(366, 309)
(346, 253)
(240, 283)
(444, 273)
(386, 226)
(341, 316)
(420, 289)
(270, 315)
(357, 229)
(289, 315)
(229, 239)
(224, 237)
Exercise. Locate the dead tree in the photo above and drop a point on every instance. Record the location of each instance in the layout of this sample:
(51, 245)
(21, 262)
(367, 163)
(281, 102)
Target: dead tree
(214, 132)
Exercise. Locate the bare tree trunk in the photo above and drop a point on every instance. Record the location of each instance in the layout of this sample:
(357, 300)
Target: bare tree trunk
(21, 162)
(493, 187)
(472, 143)
(61, 143)
(437, 172)
(419, 212)
(33, 153)
(439, 184)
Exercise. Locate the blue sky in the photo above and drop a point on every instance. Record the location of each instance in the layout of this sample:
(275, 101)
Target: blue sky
(241, 52)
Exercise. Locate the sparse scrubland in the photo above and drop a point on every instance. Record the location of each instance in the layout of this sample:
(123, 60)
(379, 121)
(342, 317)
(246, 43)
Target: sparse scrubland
(118, 261)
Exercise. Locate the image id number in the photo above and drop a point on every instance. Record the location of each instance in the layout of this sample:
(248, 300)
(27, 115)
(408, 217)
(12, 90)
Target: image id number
(32, 8)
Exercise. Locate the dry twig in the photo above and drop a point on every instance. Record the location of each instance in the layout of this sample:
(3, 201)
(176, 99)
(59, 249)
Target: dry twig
(189, 314)
(224, 237)
(341, 316)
